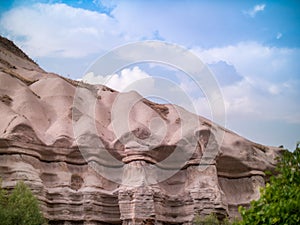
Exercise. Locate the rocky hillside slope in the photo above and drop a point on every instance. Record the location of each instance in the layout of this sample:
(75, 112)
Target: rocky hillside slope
(96, 156)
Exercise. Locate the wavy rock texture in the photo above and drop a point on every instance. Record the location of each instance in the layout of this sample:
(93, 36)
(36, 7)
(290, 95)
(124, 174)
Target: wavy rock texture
(96, 156)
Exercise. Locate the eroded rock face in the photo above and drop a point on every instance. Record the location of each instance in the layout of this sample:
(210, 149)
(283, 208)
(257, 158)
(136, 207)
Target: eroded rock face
(96, 156)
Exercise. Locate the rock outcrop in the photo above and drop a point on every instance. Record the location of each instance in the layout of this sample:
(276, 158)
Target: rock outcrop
(95, 156)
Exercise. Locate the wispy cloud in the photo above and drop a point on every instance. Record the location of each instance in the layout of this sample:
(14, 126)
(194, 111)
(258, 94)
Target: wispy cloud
(279, 35)
(70, 32)
(253, 11)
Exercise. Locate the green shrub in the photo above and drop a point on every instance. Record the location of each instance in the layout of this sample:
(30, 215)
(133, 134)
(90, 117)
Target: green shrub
(210, 220)
(20, 207)
(280, 199)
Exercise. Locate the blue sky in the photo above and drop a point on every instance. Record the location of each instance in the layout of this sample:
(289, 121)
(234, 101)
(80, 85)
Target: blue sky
(252, 47)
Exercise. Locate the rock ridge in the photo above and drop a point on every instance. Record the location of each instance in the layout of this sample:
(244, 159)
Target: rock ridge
(93, 155)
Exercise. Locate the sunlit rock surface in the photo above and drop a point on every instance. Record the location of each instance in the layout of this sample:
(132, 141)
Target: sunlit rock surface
(95, 156)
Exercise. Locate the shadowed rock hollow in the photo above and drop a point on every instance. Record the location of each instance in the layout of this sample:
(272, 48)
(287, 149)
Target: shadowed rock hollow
(95, 156)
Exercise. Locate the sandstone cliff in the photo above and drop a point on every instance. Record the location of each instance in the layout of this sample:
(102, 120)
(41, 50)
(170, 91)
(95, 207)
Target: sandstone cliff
(96, 156)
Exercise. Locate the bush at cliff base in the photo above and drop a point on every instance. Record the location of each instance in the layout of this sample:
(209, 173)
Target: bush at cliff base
(20, 207)
(280, 199)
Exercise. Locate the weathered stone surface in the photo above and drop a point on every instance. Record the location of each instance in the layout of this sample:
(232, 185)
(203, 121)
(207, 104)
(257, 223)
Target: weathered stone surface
(96, 156)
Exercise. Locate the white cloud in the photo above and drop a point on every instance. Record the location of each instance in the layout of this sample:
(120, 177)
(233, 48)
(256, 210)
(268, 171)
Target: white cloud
(257, 8)
(58, 30)
(123, 82)
(274, 89)
(268, 90)
(255, 60)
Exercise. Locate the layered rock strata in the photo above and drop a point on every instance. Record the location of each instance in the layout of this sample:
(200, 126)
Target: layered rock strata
(95, 156)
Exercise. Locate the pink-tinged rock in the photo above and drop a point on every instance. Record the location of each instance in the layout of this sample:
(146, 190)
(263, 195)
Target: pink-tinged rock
(95, 156)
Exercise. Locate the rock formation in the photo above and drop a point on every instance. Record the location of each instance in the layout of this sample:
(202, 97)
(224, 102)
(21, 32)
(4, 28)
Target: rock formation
(95, 156)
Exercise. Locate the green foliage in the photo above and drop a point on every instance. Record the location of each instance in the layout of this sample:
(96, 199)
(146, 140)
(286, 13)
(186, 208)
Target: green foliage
(210, 220)
(280, 199)
(20, 207)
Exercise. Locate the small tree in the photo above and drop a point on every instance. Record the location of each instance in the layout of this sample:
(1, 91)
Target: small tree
(20, 207)
(211, 219)
(280, 200)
